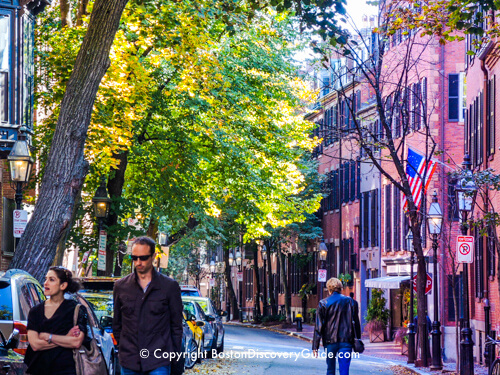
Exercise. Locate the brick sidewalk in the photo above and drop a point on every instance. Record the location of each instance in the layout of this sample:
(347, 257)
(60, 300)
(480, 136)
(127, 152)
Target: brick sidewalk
(387, 350)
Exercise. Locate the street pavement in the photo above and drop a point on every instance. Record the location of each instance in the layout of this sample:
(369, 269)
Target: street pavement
(260, 351)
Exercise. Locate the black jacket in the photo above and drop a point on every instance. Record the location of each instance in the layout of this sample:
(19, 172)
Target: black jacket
(151, 320)
(334, 321)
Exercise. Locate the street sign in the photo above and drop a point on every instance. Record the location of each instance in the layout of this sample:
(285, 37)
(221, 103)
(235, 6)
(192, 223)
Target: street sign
(321, 275)
(85, 257)
(20, 222)
(465, 249)
(101, 263)
(428, 284)
(239, 276)
(212, 282)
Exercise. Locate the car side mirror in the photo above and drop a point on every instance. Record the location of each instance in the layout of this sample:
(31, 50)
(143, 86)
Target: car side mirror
(13, 340)
(210, 318)
(223, 313)
(199, 323)
(191, 317)
(106, 321)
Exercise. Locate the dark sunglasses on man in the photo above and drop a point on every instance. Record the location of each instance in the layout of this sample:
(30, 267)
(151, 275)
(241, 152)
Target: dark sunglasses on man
(141, 257)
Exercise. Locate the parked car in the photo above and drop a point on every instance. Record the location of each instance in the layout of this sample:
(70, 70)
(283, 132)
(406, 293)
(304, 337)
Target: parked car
(216, 320)
(194, 312)
(11, 363)
(19, 292)
(103, 338)
(190, 290)
(189, 344)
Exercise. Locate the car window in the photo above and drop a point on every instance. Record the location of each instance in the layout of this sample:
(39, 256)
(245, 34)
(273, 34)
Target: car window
(201, 312)
(204, 306)
(5, 301)
(189, 307)
(40, 292)
(35, 299)
(93, 322)
(25, 302)
(190, 293)
(102, 304)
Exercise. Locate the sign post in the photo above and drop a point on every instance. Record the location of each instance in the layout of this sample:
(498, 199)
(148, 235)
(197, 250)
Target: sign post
(101, 263)
(20, 222)
(428, 284)
(465, 249)
(322, 275)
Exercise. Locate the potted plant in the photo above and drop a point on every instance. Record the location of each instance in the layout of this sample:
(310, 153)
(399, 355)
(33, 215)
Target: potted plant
(377, 316)
(401, 337)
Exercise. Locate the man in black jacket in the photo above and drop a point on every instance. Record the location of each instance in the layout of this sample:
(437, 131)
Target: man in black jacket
(337, 324)
(147, 322)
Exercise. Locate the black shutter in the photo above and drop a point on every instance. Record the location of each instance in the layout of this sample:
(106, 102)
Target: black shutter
(346, 183)
(453, 97)
(335, 189)
(423, 100)
(491, 252)
(491, 133)
(374, 218)
(358, 179)
(352, 194)
(397, 219)
(366, 218)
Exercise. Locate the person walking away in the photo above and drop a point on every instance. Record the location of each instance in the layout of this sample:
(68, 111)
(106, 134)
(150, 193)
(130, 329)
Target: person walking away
(51, 334)
(335, 318)
(147, 322)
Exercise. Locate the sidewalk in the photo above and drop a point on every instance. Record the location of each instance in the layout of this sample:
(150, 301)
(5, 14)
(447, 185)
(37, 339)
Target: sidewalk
(387, 350)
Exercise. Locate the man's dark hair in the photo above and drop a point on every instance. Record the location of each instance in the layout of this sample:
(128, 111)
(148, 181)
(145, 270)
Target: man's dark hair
(145, 240)
(351, 295)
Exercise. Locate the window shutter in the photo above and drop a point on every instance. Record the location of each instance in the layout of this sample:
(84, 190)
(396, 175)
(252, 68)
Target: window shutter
(366, 218)
(374, 218)
(397, 219)
(352, 194)
(491, 117)
(453, 97)
(423, 90)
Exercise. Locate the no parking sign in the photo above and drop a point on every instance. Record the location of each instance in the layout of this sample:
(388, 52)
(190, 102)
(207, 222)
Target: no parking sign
(465, 249)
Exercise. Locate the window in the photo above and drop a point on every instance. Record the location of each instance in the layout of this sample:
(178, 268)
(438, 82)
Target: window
(490, 121)
(388, 217)
(478, 263)
(452, 206)
(28, 74)
(456, 96)
(4, 67)
(491, 252)
(374, 224)
(369, 219)
(397, 219)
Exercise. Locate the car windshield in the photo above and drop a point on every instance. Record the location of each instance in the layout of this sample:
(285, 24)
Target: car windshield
(102, 304)
(191, 293)
(189, 307)
(5, 301)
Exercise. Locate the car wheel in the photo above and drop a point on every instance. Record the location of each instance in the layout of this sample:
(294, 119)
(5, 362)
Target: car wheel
(213, 347)
(201, 350)
(111, 367)
(220, 349)
(191, 355)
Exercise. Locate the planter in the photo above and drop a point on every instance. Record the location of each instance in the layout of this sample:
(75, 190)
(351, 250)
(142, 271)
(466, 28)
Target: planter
(377, 336)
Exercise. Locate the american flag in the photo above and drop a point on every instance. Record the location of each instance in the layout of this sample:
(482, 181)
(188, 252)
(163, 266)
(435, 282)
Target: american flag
(417, 170)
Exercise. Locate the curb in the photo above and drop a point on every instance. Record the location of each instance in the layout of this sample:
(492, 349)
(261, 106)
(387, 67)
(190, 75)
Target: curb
(308, 339)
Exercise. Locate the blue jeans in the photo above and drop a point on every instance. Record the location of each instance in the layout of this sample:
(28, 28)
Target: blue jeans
(164, 370)
(333, 350)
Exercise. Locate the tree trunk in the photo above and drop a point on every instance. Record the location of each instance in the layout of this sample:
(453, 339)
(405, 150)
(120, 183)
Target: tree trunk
(257, 279)
(82, 11)
(115, 190)
(66, 167)
(284, 282)
(229, 284)
(122, 250)
(61, 245)
(65, 8)
(272, 300)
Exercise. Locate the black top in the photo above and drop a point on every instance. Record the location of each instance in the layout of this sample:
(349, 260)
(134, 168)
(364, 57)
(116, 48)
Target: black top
(58, 359)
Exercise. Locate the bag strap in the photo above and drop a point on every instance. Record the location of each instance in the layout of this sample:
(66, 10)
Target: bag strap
(75, 315)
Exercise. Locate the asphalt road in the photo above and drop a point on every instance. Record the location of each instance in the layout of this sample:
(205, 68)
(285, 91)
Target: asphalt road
(258, 351)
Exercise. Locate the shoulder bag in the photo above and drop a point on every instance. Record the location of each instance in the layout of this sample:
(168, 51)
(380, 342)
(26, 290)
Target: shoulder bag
(88, 361)
(357, 346)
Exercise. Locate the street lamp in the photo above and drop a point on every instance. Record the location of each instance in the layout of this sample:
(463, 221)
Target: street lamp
(21, 162)
(323, 253)
(240, 283)
(435, 221)
(263, 253)
(411, 324)
(466, 191)
(101, 204)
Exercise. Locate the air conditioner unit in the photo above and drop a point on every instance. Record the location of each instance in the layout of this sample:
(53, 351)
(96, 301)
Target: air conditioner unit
(356, 221)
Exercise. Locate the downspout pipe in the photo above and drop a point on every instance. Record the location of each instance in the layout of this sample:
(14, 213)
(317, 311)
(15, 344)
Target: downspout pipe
(444, 185)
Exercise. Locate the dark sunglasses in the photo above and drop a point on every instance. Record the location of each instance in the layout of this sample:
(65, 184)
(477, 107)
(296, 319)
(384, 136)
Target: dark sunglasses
(141, 257)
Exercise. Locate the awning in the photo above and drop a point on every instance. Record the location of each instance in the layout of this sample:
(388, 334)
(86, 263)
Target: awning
(387, 282)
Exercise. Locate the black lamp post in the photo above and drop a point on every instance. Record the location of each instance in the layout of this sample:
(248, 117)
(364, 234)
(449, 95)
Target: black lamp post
(411, 324)
(240, 284)
(264, 260)
(466, 191)
(435, 222)
(21, 162)
(101, 204)
(323, 253)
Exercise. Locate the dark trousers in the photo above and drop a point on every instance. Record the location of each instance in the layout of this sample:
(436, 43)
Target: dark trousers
(342, 351)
